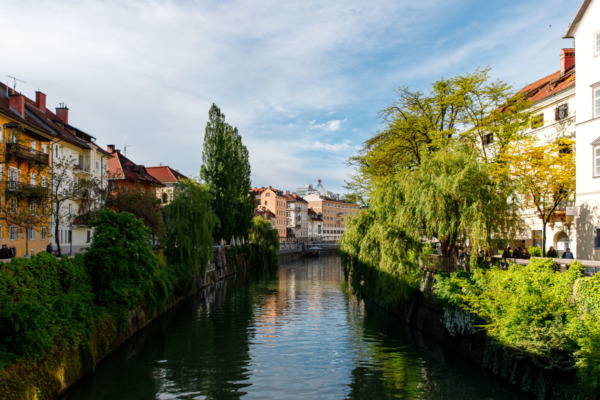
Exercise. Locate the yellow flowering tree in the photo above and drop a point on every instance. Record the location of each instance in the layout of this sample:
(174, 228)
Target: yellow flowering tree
(545, 172)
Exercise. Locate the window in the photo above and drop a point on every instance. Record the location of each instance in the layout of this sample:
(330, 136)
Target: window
(33, 145)
(597, 102)
(44, 148)
(70, 209)
(537, 121)
(43, 233)
(13, 232)
(44, 181)
(69, 236)
(43, 208)
(13, 137)
(13, 205)
(1, 236)
(31, 233)
(89, 236)
(561, 112)
(165, 198)
(98, 167)
(597, 44)
(597, 161)
(33, 208)
(32, 179)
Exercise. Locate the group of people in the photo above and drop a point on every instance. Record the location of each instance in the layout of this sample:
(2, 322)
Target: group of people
(519, 253)
(6, 252)
(552, 253)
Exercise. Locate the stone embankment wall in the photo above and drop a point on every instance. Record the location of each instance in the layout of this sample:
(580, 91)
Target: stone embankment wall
(49, 377)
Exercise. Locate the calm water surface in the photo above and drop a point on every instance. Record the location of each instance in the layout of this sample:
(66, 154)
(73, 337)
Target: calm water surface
(291, 333)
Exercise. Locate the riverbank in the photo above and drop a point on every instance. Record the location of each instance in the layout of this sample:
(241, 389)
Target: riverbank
(48, 377)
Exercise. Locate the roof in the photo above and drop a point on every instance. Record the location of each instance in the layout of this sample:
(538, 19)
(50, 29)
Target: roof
(264, 212)
(166, 174)
(48, 122)
(121, 167)
(549, 86)
(575, 23)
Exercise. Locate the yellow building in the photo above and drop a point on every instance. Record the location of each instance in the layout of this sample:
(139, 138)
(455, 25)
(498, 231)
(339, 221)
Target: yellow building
(24, 173)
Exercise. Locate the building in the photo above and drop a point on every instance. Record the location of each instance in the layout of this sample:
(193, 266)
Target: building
(297, 217)
(553, 116)
(315, 225)
(334, 214)
(276, 202)
(124, 173)
(169, 178)
(25, 173)
(266, 214)
(585, 30)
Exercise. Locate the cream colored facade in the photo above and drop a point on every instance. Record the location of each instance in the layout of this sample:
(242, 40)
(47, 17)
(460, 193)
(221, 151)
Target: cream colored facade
(556, 111)
(585, 29)
(334, 215)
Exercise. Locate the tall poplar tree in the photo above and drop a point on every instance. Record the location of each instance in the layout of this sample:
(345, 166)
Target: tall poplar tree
(226, 173)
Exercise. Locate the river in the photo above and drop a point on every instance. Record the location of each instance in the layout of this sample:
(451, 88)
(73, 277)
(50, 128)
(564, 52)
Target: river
(290, 333)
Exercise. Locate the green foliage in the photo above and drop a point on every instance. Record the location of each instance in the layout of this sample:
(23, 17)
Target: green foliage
(452, 197)
(535, 251)
(141, 203)
(120, 262)
(470, 110)
(190, 222)
(267, 239)
(226, 173)
(43, 302)
(536, 320)
(379, 258)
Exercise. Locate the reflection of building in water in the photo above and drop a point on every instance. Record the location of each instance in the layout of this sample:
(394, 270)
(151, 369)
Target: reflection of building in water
(310, 280)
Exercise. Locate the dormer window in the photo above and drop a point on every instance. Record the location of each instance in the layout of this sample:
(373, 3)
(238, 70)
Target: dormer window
(596, 161)
(561, 112)
(597, 44)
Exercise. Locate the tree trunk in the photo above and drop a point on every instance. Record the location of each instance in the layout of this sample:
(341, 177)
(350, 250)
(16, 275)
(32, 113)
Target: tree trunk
(544, 223)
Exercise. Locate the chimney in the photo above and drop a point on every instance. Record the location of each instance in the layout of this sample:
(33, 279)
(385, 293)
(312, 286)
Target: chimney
(110, 148)
(17, 102)
(62, 113)
(40, 101)
(567, 60)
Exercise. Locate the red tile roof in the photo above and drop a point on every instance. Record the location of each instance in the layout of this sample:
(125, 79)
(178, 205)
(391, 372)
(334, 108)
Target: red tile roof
(121, 167)
(165, 174)
(549, 85)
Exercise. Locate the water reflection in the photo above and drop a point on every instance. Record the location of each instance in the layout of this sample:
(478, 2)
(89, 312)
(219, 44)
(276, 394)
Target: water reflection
(290, 333)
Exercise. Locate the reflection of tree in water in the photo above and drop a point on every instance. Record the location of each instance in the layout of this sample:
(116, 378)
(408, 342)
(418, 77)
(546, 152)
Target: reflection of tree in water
(199, 348)
(394, 361)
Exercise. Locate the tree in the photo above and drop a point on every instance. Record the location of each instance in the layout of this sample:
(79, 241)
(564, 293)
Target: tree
(142, 203)
(120, 262)
(469, 109)
(545, 172)
(226, 173)
(67, 188)
(455, 198)
(189, 225)
(267, 239)
(24, 217)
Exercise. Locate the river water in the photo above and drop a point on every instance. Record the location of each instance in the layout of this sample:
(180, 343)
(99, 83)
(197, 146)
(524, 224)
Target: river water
(289, 333)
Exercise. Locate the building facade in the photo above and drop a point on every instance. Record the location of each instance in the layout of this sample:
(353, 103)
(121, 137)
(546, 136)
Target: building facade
(169, 178)
(334, 214)
(553, 104)
(585, 30)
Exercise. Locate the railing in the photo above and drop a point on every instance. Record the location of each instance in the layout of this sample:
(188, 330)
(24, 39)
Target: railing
(15, 188)
(19, 152)
(82, 219)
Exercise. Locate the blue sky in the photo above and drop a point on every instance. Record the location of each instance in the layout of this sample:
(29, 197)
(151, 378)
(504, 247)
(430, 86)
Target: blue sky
(303, 81)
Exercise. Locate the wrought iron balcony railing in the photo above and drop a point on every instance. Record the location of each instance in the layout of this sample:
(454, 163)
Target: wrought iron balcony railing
(26, 190)
(20, 153)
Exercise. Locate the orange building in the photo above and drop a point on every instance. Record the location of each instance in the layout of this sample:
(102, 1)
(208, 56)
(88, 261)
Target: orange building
(124, 173)
(24, 174)
(276, 202)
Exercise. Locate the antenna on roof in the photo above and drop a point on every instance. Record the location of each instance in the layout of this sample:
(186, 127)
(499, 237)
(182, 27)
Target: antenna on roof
(125, 149)
(15, 81)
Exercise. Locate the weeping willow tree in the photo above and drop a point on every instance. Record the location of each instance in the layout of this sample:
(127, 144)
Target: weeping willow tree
(189, 225)
(456, 199)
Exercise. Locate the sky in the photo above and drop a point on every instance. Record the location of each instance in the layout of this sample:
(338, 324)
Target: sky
(303, 81)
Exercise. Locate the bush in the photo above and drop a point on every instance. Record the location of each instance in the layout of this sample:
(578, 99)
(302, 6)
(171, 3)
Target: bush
(120, 262)
(535, 251)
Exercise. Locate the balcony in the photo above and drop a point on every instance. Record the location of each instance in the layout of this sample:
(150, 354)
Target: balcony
(21, 154)
(82, 165)
(25, 190)
(82, 220)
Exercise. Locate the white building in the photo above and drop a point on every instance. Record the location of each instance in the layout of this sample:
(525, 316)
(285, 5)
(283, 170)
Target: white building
(553, 117)
(297, 217)
(585, 29)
